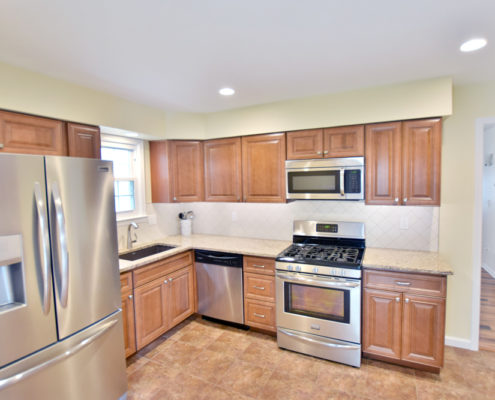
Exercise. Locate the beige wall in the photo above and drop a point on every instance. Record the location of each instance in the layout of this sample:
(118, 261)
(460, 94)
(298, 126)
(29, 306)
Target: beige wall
(29, 92)
(428, 98)
(457, 208)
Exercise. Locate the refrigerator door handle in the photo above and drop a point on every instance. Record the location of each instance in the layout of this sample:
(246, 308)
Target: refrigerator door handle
(16, 378)
(62, 239)
(45, 257)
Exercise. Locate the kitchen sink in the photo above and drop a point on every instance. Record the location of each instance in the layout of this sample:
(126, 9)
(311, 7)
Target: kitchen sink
(145, 252)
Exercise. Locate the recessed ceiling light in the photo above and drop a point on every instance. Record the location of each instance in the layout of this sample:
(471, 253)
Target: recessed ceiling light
(473, 44)
(226, 91)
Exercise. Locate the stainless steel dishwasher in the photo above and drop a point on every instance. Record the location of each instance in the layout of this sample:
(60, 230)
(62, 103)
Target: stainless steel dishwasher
(219, 280)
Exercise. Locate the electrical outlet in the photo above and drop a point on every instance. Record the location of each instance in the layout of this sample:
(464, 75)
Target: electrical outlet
(404, 223)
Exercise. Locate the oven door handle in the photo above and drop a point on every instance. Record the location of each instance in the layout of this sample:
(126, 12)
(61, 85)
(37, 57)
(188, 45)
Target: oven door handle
(327, 282)
(324, 343)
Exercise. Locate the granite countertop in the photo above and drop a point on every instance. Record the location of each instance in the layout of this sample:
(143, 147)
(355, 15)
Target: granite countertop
(228, 244)
(406, 261)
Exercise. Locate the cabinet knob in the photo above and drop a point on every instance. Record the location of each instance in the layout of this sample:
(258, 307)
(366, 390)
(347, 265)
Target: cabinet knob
(405, 199)
(175, 198)
(396, 200)
(129, 297)
(325, 152)
(406, 300)
(171, 279)
(318, 152)
(1, 145)
(397, 299)
(165, 281)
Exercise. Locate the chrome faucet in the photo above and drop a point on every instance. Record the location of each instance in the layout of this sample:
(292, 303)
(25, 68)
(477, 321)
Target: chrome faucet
(130, 241)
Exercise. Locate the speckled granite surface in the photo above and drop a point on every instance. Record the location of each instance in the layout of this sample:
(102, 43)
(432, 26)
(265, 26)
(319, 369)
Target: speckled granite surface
(246, 246)
(406, 261)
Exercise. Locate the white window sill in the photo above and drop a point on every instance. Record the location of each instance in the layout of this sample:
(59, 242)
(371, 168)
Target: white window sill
(138, 218)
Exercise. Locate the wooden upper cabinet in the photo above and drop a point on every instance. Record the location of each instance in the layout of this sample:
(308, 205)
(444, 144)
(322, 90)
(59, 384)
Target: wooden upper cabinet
(21, 133)
(223, 175)
(161, 191)
(421, 141)
(84, 140)
(423, 330)
(305, 144)
(187, 170)
(344, 141)
(383, 163)
(263, 168)
(382, 323)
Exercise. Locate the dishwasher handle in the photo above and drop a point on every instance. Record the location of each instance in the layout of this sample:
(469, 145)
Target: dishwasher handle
(218, 258)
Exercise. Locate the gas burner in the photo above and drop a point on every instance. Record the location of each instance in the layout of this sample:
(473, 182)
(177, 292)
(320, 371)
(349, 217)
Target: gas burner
(322, 254)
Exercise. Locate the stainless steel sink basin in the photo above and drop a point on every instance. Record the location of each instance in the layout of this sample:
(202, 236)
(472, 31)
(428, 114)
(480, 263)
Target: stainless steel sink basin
(145, 252)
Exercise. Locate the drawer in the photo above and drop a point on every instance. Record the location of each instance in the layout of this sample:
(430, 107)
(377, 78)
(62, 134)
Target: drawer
(422, 284)
(125, 283)
(258, 286)
(162, 267)
(260, 314)
(259, 265)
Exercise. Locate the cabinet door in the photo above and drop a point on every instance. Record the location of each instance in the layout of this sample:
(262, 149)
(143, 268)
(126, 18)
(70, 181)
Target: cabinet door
(128, 322)
(423, 330)
(344, 141)
(382, 319)
(151, 311)
(84, 140)
(421, 156)
(161, 190)
(187, 170)
(223, 176)
(305, 144)
(182, 295)
(21, 133)
(263, 168)
(383, 163)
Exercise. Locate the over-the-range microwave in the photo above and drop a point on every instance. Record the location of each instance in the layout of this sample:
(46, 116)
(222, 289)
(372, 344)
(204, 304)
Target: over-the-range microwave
(325, 179)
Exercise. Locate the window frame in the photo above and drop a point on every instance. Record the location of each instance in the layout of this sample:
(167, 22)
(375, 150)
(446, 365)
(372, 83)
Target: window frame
(137, 147)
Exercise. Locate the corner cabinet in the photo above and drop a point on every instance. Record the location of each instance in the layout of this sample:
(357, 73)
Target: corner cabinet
(223, 175)
(403, 162)
(404, 318)
(263, 168)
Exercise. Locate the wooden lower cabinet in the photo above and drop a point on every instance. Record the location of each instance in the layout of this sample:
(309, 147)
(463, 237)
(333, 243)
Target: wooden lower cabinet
(163, 303)
(382, 323)
(403, 325)
(259, 293)
(127, 299)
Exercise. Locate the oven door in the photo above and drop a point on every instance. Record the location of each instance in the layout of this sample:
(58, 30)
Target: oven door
(324, 306)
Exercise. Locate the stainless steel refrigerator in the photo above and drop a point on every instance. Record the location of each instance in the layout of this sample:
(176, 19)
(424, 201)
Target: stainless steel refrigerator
(61, 331)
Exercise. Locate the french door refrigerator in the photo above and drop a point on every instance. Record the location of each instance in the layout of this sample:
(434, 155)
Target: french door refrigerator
(61, 331)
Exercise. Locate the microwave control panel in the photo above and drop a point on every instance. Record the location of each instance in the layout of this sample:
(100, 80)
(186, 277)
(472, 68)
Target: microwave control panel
(352, 181)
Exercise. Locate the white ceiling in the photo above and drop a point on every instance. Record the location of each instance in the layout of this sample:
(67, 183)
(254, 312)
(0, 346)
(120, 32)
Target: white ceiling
(177, 54)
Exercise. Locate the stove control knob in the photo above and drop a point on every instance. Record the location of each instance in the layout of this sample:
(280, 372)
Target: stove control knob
(315, 270)
(289, 267)
(298, 268)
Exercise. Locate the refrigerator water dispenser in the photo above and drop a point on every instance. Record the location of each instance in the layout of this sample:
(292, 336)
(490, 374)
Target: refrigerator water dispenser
(12, 293)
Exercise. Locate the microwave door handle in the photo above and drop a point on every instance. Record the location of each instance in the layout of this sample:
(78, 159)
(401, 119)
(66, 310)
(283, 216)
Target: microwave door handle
(327, 282)
(342, 187)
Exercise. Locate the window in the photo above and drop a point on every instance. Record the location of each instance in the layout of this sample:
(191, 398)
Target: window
(128, 170)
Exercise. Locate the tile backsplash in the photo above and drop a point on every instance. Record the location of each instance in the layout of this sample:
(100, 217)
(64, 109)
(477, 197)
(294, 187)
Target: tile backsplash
(412, 228)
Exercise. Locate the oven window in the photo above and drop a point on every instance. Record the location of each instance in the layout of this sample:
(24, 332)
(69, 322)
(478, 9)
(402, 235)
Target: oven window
(314, 182)
(317, 302)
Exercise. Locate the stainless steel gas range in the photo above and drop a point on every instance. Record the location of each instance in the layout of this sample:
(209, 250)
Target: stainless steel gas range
(318, 291)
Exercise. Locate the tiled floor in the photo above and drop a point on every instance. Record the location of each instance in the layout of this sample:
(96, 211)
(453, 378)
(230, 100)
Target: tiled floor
(203, 360)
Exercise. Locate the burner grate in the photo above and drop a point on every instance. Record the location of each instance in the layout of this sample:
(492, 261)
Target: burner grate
(322, 253)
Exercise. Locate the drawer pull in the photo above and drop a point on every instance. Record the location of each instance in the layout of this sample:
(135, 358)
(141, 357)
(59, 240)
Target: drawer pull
(1, 145)
(403, 283)
(259, 287)
(259, 315)
(407, 300)
(258, 266)
(397, 299)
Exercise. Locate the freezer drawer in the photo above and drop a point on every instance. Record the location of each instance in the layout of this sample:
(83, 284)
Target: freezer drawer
(88, 365)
